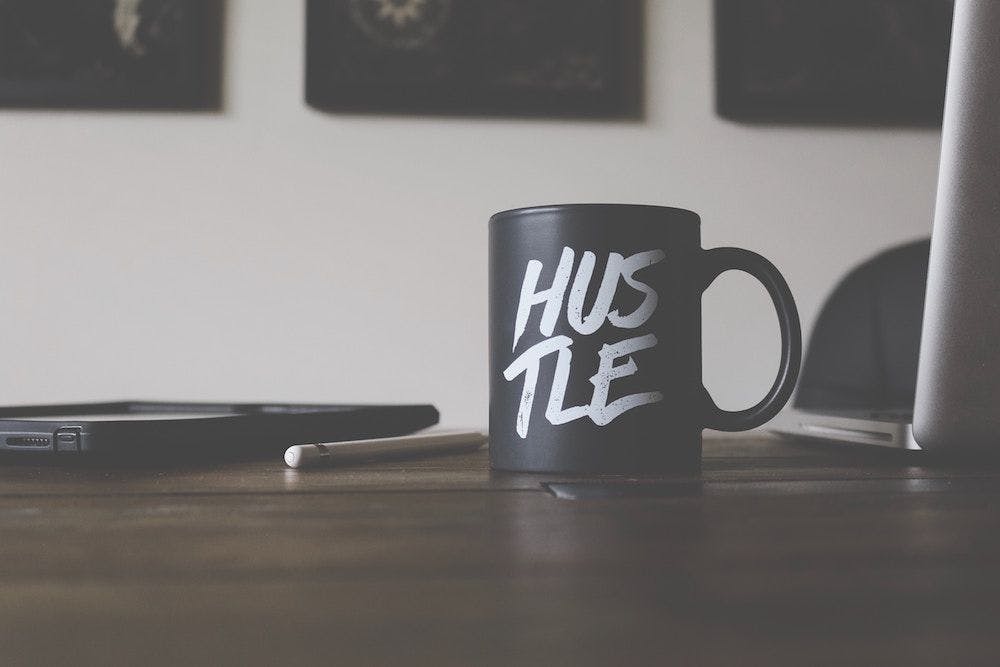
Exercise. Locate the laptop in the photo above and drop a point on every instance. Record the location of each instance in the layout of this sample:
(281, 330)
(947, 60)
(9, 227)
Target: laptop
(956, 388)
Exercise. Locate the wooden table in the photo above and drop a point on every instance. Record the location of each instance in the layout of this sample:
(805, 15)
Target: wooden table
(777, 554)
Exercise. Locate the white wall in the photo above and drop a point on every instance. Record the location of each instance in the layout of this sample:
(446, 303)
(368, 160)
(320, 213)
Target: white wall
(274, 252)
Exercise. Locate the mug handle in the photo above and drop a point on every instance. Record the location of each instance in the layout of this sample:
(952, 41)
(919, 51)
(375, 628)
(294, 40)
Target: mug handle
(720, 260)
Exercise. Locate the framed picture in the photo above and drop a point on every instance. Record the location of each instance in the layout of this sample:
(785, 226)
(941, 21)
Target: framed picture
(159, 54)
(492, 57)
(877, 61)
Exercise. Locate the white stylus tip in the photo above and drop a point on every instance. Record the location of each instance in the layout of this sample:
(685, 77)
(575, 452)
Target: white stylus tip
(293, 457)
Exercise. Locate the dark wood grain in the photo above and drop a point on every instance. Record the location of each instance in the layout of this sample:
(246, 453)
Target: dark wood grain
(776, 554)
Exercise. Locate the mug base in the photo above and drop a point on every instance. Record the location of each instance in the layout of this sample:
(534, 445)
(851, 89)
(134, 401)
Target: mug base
(673, 464)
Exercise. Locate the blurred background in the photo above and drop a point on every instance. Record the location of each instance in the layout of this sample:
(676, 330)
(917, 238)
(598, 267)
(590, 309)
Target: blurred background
(266, 249)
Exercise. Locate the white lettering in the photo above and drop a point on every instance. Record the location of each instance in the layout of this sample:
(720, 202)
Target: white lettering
(640, 315)
(528, 363)
(609, 284)
(551, 297)
(555, 412)
(602, 413)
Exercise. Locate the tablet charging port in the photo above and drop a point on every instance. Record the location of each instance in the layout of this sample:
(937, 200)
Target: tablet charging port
(29, 441)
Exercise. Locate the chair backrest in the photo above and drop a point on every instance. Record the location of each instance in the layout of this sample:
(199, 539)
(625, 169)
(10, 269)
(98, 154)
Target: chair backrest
(863, 350)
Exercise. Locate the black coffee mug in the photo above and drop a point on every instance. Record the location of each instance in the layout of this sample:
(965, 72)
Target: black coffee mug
(595, 339)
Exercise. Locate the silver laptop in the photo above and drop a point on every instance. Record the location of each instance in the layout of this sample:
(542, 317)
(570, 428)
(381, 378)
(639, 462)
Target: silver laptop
(957, 403)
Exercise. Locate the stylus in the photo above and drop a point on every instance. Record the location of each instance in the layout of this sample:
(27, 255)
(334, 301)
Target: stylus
(353, 451)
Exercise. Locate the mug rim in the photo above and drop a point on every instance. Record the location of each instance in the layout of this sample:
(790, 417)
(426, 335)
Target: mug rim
(547, 208)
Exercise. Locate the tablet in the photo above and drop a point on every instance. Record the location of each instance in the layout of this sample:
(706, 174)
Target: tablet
(143, 431)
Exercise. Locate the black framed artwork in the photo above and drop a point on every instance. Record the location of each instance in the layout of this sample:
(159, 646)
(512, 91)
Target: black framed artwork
(156, 54)
(485, 57)
(850, 61)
